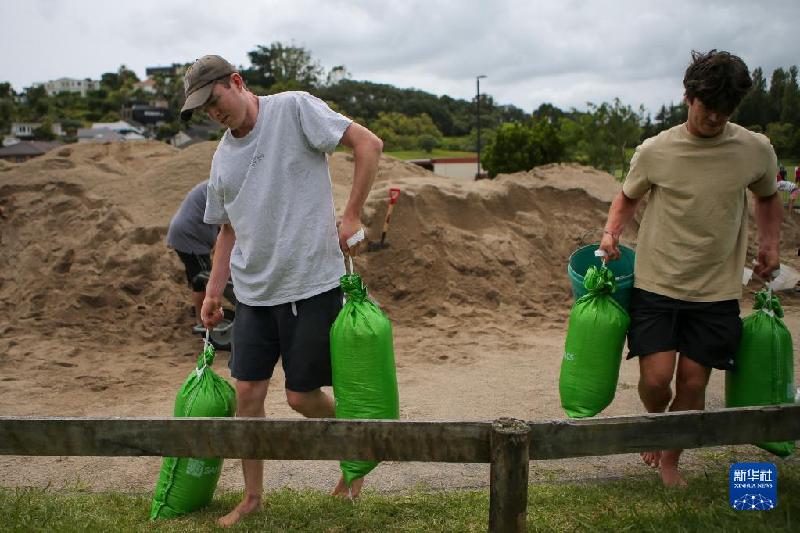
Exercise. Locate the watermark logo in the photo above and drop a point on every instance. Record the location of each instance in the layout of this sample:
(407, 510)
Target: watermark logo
(753, 486)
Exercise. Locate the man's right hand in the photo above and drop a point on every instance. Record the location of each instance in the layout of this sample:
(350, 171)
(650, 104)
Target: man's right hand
(609, 245)
(211, 312)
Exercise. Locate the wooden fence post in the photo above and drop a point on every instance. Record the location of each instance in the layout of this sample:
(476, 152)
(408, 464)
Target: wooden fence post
(508, 475)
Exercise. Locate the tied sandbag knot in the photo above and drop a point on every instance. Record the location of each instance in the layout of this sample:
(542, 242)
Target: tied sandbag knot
(206, 357)
(353, 287)
(599, 280)
(765, 301)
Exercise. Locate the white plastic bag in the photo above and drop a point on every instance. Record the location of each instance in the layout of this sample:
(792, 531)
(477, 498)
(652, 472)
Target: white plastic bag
(786, 279)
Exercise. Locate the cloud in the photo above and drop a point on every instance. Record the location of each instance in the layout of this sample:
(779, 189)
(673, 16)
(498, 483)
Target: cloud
(567, 52)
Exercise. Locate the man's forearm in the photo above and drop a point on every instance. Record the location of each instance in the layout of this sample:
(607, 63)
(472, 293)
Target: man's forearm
(768, 215)
(366, 154)
(620, 214)
(221, 265)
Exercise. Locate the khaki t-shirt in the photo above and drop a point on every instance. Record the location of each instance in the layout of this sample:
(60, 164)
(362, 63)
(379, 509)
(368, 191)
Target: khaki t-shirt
(693, 236)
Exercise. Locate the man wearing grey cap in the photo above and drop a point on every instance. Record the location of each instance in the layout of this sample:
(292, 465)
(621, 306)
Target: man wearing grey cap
(270, 191)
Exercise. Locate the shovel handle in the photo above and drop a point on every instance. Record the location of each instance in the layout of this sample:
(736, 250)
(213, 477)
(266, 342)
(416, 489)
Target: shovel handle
(394, 194)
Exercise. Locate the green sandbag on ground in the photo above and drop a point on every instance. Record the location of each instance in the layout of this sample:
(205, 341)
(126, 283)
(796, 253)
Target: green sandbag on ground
(764, 373)
(187, 483)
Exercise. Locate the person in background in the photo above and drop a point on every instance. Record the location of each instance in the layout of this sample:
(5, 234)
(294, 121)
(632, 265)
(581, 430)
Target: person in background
(192, 239)
(796, 192)
(270, 190)
(692, 241)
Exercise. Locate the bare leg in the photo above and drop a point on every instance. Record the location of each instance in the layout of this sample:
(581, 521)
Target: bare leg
(690, 394)
(317, 404)
(250, 396)
(655, 375)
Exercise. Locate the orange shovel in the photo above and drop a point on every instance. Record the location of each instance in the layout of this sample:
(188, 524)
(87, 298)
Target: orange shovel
(394, 194)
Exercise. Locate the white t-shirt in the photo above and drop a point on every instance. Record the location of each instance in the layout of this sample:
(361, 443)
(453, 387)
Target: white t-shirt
(274, 188)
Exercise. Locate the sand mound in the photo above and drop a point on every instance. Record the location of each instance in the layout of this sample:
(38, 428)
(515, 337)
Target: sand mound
(86, 224)
(495, 250)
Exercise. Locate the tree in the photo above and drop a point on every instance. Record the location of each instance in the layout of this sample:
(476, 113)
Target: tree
(289, 65)
(518, 147)
(790, 101)
(45, 131)
(401, 132)
(782, 136)
(428, 143)
(777, 85)
(603, 135)
(754, 108)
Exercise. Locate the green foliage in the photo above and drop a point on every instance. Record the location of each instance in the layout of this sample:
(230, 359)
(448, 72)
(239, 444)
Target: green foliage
(428, 142)
(288, 65)
(785, 138)
(401, 132)
(45, 131)
(516, 147)
(364, 101)
(602, 136)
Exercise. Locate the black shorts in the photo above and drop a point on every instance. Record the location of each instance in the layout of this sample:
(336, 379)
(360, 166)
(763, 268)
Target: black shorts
(299, 335)
(706, 332)
(194, 264)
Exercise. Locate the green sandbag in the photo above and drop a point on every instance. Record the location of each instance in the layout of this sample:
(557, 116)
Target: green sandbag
(362, 362)
(186, 483)
(593, 349)
(764, 372)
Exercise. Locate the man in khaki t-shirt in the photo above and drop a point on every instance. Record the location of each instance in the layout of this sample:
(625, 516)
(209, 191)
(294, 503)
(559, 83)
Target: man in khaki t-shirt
(693, 241)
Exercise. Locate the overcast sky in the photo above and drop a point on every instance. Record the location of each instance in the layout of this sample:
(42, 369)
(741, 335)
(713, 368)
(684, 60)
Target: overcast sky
(566, 52)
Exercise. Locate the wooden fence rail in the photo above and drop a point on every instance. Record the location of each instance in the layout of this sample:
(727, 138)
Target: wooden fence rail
(506, 444)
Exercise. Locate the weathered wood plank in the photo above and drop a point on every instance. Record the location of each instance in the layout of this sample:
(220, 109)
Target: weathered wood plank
(508, 476)
(458, 442)
(687, 429)
(392, 440)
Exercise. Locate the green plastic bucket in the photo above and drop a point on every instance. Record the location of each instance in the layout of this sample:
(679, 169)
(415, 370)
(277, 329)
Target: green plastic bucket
(582, 258)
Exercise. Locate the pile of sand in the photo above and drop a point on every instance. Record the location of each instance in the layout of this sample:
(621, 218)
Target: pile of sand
(94, 312)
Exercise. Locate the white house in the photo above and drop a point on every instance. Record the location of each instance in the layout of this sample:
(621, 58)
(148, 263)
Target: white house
(70, 85)
(24, 130)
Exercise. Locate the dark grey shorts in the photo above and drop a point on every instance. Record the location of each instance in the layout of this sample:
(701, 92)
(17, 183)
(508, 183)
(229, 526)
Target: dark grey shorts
(706, 332)
(299, 335)
(194, 264)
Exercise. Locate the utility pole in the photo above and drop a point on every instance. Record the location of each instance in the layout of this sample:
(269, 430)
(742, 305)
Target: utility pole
(478, 113)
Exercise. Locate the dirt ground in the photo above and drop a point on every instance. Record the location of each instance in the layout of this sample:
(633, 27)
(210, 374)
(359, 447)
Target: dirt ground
(94, 312)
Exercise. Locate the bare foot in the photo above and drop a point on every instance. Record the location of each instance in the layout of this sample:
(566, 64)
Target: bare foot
(651, 459)
(671, 477)
(248, 505)
(343, 491)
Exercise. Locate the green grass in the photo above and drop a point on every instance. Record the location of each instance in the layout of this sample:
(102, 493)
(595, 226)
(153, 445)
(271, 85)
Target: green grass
(638, 504)
(421, 154)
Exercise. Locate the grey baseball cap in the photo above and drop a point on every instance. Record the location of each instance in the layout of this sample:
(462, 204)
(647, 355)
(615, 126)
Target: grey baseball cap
(198, 81)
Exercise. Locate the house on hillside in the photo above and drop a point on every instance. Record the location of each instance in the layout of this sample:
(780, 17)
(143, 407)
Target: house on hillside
(147, 86)
(24, 150)
(70, 85)
(147, 115)
(26, 130)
